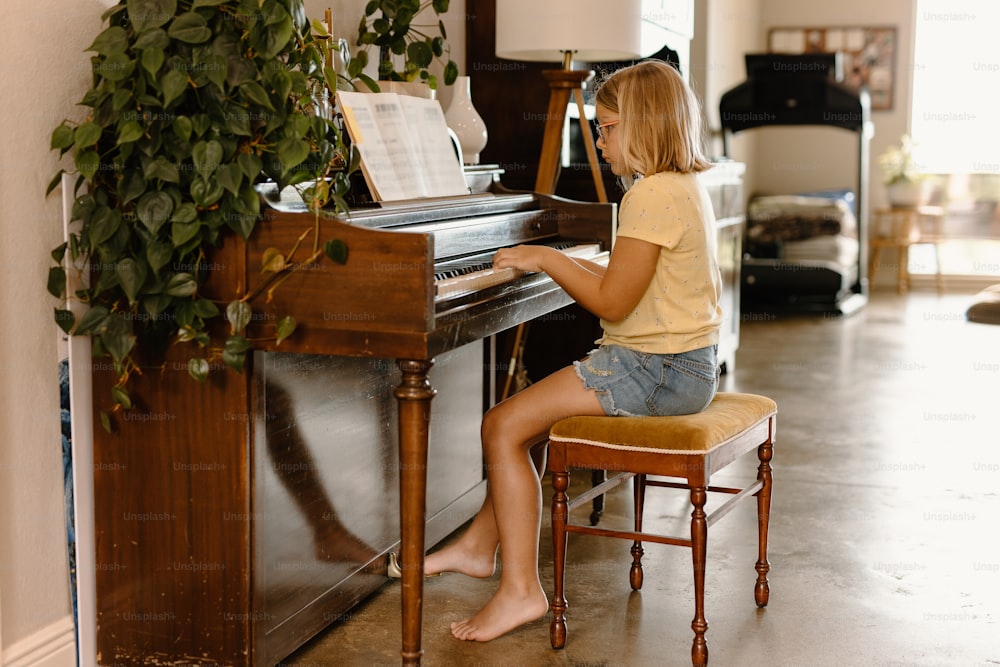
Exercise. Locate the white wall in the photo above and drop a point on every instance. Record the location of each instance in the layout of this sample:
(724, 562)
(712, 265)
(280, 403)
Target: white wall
(44, 75)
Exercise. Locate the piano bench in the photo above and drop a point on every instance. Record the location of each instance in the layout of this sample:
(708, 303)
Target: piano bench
(688, 448)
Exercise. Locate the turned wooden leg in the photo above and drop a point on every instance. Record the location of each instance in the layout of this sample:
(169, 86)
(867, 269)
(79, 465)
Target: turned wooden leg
(639, 494)
(560, 512)
(699, 537)
(413, 395)
(761, 590)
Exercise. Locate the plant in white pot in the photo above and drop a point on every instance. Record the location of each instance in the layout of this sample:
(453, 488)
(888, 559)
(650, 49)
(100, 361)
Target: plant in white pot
(394, 27)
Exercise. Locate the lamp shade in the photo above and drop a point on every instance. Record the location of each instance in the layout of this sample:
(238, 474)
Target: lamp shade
(545, 30)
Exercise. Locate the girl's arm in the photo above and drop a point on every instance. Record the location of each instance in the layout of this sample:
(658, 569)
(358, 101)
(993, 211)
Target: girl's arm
(609, 293)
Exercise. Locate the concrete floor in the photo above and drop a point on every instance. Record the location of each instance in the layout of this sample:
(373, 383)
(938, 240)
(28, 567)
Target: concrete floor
(884, 544)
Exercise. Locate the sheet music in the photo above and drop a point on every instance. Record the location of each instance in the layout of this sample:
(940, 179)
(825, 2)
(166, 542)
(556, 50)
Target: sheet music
(405, 149)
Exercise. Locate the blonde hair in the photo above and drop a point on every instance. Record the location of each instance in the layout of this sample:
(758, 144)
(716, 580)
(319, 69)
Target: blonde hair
(660, 121)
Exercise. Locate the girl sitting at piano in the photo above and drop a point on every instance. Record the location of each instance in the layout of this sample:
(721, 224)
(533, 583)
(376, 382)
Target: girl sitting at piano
(658, 300)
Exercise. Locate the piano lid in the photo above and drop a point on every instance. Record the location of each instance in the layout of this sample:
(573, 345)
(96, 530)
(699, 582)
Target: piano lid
(794, 89)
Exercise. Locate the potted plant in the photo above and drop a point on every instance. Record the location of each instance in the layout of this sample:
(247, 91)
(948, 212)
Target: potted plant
(193, 104)
(391, 25)
(905, 186)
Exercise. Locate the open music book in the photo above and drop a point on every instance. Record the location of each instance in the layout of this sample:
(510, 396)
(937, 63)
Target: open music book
(406, 152)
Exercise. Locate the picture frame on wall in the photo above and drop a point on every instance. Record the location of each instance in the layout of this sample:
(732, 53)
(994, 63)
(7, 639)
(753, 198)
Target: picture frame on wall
(868, 53)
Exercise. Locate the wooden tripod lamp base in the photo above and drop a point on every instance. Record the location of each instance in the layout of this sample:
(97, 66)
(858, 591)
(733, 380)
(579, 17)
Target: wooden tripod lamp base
(564, 83)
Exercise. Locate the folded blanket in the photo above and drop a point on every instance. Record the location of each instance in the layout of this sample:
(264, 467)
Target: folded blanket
(780, 218)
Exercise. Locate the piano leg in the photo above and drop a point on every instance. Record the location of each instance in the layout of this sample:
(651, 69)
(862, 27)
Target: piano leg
(413, 395)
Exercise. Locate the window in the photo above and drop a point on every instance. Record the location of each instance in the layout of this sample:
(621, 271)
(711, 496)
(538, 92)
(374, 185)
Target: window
(955, 117)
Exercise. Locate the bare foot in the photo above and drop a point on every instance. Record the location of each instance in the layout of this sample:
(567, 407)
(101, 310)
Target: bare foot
(503, 613)
(454, 558)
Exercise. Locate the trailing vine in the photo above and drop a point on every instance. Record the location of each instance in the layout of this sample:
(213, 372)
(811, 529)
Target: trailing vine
(193, 104)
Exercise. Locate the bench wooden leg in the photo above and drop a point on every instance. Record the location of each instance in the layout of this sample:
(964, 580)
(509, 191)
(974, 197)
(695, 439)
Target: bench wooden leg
(699, 537)
(560, 515)
(761, 590)
(639, 495)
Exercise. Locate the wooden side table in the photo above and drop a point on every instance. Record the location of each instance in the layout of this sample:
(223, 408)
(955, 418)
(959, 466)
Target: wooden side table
(900, 227)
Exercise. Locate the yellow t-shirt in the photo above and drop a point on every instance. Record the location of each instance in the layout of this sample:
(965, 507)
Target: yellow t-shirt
(680, 310)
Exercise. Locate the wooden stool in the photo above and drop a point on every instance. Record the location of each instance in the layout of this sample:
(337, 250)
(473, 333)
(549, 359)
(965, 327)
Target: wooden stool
(900, 227)
(690, 447)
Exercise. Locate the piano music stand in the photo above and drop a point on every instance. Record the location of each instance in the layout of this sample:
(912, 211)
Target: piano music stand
(563, 83)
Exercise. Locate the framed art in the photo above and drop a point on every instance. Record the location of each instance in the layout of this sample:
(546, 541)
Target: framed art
(869, 54)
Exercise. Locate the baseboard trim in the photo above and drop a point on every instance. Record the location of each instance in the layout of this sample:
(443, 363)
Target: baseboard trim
(52, 646)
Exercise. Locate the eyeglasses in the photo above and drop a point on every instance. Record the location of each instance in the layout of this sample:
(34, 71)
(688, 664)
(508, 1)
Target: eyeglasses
(601, 132)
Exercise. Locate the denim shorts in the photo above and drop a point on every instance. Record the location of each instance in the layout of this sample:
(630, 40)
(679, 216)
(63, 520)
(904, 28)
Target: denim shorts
(631, 383)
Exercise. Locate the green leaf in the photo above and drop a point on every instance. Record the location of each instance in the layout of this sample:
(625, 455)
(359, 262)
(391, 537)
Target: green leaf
(62, 137)
(200, 122)
(182, 232)
(205, 309)
(190, 27)
(152, 60)
(238, 121)
(186, 212)
(158, 254)
(419, 53)
(272, 261)
(144, 14)
(206, 192)
(182, 128)
(181, 284)
(91, 321)
(117, 337)
(163, 169)
(286, 327)
(104, 223)
(234, 352)
(121, 396)
(65, 319)
(207, 3)
(277, 35)
(291, 152)
(154, 304)
(87, 134)
(254, 92)
(336, 250)
(230, 176)
(173, 84)
(238, 313)
(129, 132)
(250, 164)
(198, 369)
(105, 421)
(112, 41)
(87, 163)
(155, 38)
(131, 275)
(206, 156)
(450, 73)
(116, 67)
(120, 98)
(57, 281)
(154, 209)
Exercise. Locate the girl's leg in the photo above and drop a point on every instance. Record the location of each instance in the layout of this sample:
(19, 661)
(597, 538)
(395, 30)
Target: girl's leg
(474, 553)
(511, 515)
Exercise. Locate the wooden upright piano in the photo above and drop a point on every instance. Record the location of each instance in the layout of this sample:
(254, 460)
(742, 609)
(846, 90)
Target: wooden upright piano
(236, 519)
